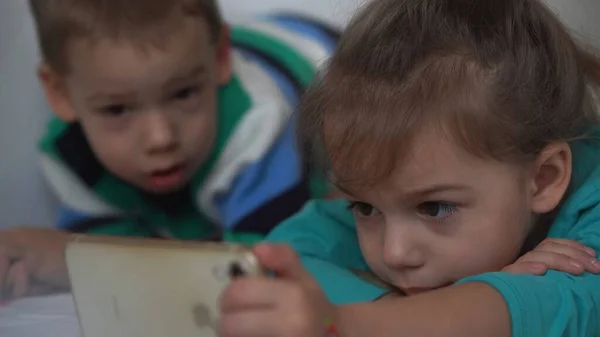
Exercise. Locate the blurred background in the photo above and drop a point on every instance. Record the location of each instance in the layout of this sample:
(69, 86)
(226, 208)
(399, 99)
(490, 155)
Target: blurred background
(24, 198)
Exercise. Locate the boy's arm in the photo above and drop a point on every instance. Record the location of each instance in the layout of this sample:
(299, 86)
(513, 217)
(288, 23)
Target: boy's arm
(323, 235)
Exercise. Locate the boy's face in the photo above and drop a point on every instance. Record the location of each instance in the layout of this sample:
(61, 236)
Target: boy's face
(443, 216)
(150, 115)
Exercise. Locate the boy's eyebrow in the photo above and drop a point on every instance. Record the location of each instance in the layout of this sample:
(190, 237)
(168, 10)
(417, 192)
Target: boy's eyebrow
(195, 72)
(101, 97)
(104, 96)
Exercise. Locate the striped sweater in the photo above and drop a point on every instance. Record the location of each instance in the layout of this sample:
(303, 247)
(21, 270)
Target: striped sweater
(255, 178)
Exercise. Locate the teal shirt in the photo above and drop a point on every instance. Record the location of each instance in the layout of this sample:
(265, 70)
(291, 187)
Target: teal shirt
(556, 304)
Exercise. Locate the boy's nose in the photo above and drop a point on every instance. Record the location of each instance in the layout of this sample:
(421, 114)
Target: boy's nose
(160, 134)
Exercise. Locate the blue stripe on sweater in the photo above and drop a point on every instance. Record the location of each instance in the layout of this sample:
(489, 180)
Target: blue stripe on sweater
(279, 170)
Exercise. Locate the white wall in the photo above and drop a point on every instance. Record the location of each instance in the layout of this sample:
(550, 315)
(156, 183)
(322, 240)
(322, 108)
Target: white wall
(581, 15)
(336, 10)
(23, 196)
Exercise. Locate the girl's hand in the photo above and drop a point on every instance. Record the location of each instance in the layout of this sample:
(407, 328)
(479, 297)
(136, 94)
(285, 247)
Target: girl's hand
(557, 254)
(290, 305)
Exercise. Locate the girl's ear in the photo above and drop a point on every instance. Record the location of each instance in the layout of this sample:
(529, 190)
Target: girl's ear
(55, 92)
(551, 177)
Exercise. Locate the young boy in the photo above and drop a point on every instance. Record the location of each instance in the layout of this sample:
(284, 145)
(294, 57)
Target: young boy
(168, 124)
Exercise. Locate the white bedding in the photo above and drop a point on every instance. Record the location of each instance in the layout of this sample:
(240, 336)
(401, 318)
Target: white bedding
(52, 316)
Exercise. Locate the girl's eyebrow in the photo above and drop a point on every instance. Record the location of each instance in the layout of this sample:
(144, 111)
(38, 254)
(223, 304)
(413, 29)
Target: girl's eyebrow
(418, 192)
(343, 190)
(438, 188)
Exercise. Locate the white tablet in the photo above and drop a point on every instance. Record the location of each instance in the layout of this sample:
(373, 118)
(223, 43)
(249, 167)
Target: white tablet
(152, 288)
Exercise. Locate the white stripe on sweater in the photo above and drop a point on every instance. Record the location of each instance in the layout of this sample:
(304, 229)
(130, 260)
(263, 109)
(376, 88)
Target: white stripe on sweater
(254, 136)
(72, 191)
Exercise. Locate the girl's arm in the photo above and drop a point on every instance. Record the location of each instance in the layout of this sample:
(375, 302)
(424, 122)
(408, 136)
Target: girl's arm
(324, 236)
(494, 304)
(473, 309)
(509, 305)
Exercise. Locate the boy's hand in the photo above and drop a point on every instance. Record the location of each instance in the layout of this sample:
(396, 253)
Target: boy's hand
(557, 254)
(32, 262)
(291, 305)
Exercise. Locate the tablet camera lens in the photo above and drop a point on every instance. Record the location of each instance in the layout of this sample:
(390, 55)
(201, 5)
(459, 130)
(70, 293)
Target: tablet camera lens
(236, 270)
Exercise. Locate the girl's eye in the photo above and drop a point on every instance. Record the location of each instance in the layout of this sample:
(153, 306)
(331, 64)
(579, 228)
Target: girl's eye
(114, 110)
(363, 209)
(185, 93)
(437, 210)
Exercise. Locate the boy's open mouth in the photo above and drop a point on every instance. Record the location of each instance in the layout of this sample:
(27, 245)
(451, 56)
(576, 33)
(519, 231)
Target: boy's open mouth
(168, 171)
(168, 179)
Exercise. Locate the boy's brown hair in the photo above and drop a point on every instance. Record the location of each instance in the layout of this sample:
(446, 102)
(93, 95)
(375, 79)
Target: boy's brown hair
(502, 78)
(141, 22)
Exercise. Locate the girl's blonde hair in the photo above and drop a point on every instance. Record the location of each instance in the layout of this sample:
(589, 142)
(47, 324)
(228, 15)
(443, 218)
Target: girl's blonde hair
(502, 78)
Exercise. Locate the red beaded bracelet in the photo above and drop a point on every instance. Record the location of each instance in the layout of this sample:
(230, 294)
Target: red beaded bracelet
(331, 330)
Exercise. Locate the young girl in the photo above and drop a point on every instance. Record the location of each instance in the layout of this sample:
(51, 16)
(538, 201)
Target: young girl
(464, 133)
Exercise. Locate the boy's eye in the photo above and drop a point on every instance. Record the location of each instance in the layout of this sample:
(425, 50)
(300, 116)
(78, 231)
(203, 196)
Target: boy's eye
(185, 93)
(115, 110)
(436, 209)
(363, 209)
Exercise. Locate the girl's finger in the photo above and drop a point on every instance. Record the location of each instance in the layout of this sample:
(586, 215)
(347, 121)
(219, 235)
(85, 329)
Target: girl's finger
(570, 243)
(255, 323)
(554, 261)
(589, 263)
(282, 260)
(531, 268)
(255, 293)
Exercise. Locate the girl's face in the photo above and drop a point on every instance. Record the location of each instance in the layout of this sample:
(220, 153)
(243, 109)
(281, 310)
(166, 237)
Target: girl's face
(442, 216)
